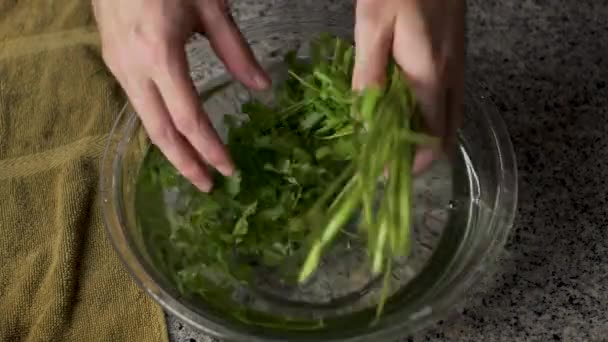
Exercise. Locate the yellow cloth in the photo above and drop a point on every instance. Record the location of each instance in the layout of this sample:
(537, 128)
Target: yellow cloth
(60, 280)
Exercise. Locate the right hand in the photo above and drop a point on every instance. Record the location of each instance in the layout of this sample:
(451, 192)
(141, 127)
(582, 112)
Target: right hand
(143, 46)
(426, 39)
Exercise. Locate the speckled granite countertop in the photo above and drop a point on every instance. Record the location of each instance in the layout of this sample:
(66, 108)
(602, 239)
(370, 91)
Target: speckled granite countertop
(547, 64)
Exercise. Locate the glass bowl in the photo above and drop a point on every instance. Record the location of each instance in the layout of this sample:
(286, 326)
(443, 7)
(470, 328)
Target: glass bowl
(463, 213)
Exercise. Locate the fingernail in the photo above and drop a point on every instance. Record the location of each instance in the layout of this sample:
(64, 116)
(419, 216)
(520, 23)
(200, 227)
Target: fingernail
(261, 81)
(205, 186)
(226, 169)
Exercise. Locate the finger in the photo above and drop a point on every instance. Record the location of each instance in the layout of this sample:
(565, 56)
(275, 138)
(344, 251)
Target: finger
(451, 52)
(373, 40)
(454, 110)
(156, 121)
(178, 93)
(231, 47)
(414, 52)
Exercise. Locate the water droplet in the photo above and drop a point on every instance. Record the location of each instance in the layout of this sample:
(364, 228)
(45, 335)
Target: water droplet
(426, 311)
(452, 204)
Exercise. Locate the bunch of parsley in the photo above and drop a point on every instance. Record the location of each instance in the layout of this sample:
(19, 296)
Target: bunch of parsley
(307, 165)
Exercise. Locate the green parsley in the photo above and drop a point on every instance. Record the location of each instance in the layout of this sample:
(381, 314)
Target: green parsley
(307, 165)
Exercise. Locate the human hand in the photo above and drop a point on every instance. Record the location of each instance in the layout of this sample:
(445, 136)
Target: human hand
(143, 45)
(426, 38)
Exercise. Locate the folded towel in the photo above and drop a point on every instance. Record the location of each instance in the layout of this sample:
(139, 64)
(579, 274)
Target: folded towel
(60, 279)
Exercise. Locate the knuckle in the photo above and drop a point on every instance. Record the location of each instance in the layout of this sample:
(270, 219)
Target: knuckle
(187, 124)
(161, 134)
(191, 170)
(215, 156)
(152, 41)
(158, 55)
(152, 45)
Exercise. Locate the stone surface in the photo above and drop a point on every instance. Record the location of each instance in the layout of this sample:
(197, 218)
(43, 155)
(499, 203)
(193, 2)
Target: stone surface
(546, 64)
